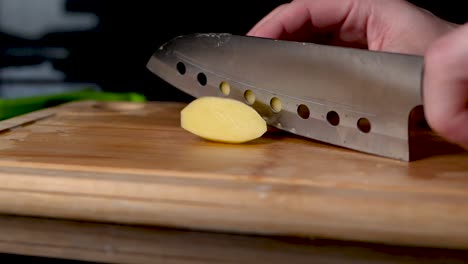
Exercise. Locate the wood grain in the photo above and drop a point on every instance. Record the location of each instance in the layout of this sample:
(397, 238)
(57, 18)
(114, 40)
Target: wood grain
(133, 164)
(107, 243)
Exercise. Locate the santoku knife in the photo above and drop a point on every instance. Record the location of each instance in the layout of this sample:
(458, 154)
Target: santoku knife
(348, 97)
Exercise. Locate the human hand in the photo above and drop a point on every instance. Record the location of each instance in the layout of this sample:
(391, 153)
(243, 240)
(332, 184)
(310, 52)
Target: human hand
(445, 90)
(386, 25)
(392, 26)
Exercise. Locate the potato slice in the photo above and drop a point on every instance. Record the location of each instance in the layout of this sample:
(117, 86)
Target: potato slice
(222, 120)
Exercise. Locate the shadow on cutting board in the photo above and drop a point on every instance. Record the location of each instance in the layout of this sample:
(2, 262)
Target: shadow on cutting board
(424, 142)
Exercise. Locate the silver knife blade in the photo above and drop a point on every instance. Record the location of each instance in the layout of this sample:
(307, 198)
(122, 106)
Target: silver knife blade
(353, 98)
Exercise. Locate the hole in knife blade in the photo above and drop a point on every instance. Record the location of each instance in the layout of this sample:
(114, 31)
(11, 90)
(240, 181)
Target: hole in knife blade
(201, 77)
(249, 97)
(225, 88)
(275, 104)
(333, 118)
(181, 68)
(303, 111)
(364, 125)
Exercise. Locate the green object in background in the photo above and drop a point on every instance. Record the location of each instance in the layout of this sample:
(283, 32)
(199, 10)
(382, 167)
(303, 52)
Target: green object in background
(13, 107)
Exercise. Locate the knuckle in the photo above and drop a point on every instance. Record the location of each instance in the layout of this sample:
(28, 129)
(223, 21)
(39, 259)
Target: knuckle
(438, 52)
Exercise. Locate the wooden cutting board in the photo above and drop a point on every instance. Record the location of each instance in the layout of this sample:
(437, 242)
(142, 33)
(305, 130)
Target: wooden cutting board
(108, 243)
(132, 163)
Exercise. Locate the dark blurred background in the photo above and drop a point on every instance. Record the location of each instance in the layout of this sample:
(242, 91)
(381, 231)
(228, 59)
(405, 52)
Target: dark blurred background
(54, 45)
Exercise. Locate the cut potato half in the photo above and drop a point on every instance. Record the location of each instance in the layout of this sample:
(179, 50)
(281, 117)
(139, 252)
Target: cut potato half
(222, 120)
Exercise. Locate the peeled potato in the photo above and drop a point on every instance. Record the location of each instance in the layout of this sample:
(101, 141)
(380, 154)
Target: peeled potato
(222, 120)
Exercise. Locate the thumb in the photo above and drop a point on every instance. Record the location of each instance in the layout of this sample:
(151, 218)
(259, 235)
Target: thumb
(446, 86)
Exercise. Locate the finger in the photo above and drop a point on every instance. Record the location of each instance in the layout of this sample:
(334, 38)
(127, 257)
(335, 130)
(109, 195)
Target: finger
(446, 86)
(272, 26)
(318, 16)
(344, 20)
(267, 18)
(286, 20)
